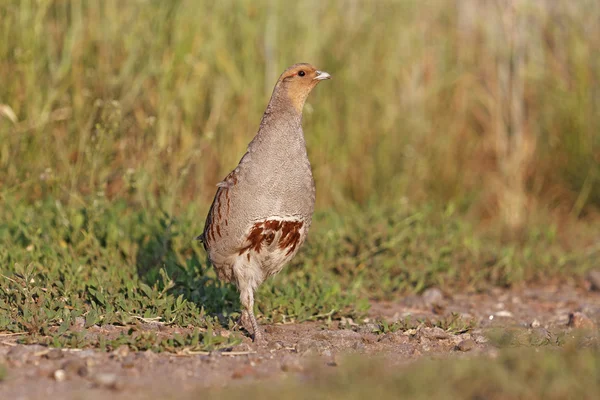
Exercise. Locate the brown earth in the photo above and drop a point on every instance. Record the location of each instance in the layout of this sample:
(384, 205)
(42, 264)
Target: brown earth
(535, 315)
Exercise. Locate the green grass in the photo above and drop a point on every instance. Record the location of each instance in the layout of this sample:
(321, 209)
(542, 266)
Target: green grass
(109, 263)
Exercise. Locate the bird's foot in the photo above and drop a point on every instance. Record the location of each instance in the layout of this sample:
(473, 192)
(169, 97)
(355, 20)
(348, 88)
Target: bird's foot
(258, 338)
(244, 322)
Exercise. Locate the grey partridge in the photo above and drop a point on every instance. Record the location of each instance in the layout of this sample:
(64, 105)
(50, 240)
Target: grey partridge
(263, 209)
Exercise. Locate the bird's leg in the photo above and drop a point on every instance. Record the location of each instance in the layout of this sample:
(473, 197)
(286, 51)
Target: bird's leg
(241, 322)
(244, 321)
(247, 300)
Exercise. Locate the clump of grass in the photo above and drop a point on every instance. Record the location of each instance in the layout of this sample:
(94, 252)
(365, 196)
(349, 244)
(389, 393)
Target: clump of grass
(194, 341)
(453, 323)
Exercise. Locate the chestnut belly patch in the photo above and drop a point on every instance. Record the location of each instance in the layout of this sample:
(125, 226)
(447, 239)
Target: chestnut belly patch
(273, 234)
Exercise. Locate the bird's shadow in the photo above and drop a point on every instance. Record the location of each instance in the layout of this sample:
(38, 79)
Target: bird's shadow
(165, 248)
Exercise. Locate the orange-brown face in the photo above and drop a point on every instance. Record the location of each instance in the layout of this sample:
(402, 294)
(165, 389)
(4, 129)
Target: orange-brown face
(298, 80)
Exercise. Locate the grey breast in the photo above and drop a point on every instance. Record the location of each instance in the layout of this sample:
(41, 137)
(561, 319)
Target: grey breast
(273, 181)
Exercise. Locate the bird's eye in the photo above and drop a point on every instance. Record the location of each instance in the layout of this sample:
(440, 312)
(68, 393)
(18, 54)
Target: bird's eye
(301, 73)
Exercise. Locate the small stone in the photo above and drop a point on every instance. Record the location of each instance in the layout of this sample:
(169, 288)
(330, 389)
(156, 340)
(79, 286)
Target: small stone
(342, 334)
(466, 345)
(108, 327)
(43, 371)
(86, 353)
(55, 354)
(243, 372)
(273, 329)
(275, 345)
(434, 333)
(480, 339)
(369, 338)
(78, 324)
(243, 347)
(580, 321)
(504, 313)
(593, 278)
(438, 308)
(432, 296)
(150, 326)
(292, 365)
(76, 366)
(17, 355)
(129, 361)
(535, 323)
(459, 338)
(323, 335)
(396, 337)
(368, 328)
(106, 379)
(359, 346)
(146, 356)
(225, 333)
(121, 352)
(60, 375)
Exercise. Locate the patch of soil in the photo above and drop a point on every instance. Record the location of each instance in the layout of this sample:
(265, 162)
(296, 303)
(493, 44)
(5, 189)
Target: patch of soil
(38, 372)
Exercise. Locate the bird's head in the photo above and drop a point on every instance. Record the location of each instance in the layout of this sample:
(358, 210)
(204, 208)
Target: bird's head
(297, 81)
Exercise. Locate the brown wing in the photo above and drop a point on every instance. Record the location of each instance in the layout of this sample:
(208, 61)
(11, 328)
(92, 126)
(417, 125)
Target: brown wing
(219, 210)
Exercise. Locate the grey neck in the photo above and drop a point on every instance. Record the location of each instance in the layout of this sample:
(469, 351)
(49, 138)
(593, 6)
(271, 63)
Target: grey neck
(280, 111)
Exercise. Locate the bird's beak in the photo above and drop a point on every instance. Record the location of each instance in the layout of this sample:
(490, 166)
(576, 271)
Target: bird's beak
(321, 76)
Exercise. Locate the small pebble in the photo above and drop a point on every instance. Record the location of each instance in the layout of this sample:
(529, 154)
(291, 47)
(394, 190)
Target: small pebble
(434, 333)
(580, 321)
(150, 326)
(129, 361)
(504, 313)
(291, 365)
(17, 354)
(466, 345)
(55, 354)
(368, 328)
(243, 372)
(369, 338)
(121, 352)
(60, 375)
(359, 345)
(535, 323)
(76, 367)
(480, 339)
(275, 345)
(594, 278)
(78, 324)
(432, 296)
(106, 380)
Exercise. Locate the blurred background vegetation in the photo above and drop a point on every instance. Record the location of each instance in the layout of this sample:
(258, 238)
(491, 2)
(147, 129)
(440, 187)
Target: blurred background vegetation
(493, 107)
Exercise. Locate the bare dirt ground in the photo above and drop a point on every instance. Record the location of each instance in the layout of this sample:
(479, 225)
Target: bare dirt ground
(540, 314)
